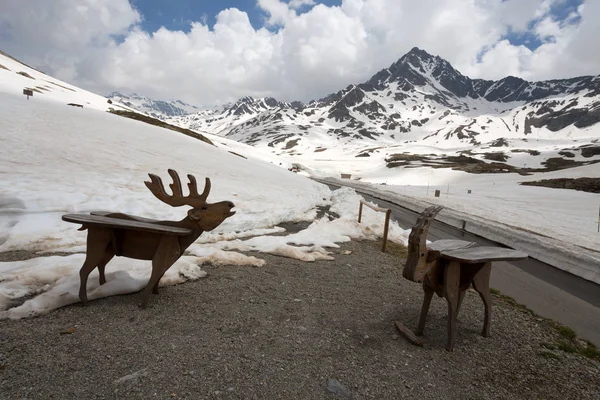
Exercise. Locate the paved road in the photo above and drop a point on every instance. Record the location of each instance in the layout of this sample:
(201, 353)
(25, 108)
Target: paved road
(548, 291)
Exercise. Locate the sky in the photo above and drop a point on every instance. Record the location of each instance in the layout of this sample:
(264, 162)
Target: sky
(208, 52)
(108, 159)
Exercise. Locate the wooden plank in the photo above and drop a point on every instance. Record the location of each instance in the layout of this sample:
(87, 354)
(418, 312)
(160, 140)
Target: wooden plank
(408, 334)
(483, 254)
(449, 244)
(125, 216)
(374, 207)
(109, 222)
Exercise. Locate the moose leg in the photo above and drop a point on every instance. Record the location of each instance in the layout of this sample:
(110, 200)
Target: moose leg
(97, 242)
(108, 255)
(425, 307)
(166, 254)
(481, 283)
(155, 288)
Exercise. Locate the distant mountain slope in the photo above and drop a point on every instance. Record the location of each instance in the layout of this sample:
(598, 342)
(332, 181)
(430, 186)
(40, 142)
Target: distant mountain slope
(420, 100)
(220, 121)
(155, 108)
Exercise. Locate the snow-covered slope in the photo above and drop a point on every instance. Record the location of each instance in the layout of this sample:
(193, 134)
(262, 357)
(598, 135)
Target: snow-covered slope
(56, 160)
(155, 108)
(16, 76)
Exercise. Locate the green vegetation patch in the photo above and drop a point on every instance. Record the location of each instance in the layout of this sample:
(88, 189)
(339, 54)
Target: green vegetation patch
(160, 124)
(395, 249)
(531, 152)
(25, 74)
(590, 151)
(496, 156)
(35, 90)
(566, 338)
(590, 185)
(61, 86)
(237, 154)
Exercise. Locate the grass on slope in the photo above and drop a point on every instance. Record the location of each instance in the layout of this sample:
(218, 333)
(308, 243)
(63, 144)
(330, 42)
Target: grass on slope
(159, 123)
(591, 185)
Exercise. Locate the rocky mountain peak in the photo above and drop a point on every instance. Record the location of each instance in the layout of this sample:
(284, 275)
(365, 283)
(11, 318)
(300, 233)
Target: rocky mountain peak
(156, 108)
(249, 105)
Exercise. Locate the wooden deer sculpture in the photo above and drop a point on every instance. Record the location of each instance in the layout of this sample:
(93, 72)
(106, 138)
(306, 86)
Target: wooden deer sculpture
(448, 267)
(163, 242)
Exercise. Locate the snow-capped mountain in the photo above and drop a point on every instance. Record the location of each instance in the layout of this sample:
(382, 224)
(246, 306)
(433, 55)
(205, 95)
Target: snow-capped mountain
(155, 108)
(422, 100)
(220, 121)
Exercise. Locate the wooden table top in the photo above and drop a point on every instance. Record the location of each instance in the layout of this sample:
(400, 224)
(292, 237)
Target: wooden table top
(109, 222)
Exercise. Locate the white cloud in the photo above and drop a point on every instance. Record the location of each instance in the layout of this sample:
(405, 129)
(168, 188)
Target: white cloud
(57, 34)
(303, 55)
(296, 4)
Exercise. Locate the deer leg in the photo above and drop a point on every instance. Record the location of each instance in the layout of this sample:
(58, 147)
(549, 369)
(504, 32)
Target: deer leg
(425, 307)
(108, 255)
(452, 293)
(166, 254)
(481, 283)
(97, 242)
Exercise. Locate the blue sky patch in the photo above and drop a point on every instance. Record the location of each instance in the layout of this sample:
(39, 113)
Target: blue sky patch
(178, 14)
(561, 11)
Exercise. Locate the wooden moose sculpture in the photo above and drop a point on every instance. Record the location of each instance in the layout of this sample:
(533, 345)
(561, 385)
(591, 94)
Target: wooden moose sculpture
(448, 268)
(163, 242)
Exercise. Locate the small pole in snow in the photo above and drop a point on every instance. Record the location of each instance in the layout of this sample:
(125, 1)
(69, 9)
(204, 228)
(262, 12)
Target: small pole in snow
(427, 189)
(448, 191)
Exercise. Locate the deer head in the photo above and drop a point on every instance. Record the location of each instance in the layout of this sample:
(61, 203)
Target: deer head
(416, 262)
(206, 215)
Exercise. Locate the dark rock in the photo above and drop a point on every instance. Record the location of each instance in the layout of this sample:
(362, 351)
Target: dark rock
(334, 386)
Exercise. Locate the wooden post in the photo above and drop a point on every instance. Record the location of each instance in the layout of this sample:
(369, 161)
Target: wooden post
(360, 212)
(388, 213)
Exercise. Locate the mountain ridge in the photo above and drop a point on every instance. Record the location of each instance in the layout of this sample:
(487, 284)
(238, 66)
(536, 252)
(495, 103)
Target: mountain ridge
(421, 101)
(160, 109)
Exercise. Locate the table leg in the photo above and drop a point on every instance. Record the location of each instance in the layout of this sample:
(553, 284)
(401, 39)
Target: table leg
(452, 294)
(481, 283)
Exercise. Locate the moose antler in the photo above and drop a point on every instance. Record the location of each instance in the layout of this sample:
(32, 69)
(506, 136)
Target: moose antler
(177, 199)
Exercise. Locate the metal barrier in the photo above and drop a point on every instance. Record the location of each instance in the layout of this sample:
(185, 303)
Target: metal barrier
(387, 212)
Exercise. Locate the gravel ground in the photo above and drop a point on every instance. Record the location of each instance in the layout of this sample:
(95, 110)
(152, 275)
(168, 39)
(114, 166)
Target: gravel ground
(288, 330)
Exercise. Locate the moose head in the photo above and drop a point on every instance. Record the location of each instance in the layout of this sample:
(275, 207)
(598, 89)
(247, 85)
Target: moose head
(206, 216)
